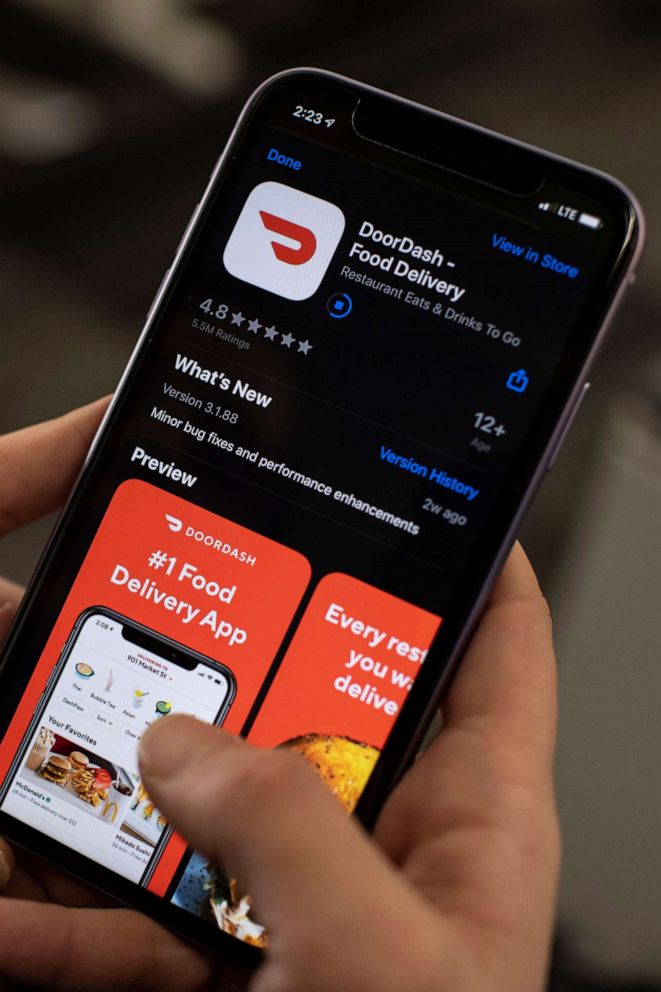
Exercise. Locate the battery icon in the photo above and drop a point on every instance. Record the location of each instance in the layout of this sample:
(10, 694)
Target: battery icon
(589, 220)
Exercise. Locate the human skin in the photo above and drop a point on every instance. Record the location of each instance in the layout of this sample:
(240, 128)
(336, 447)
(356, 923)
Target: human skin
(454, 891)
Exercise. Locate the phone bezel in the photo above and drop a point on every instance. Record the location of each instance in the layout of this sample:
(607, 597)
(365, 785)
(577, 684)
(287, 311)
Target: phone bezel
(429, 689)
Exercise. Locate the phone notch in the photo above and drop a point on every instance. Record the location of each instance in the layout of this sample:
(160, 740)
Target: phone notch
(469, 151)
(159, 646)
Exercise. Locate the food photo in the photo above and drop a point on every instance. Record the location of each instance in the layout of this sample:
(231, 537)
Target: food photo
(79, 776)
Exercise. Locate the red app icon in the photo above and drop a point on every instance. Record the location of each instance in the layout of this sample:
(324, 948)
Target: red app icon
(284, 240)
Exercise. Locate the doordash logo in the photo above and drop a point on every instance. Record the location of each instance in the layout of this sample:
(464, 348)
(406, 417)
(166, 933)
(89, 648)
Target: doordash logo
(307, 243)
(284, 240)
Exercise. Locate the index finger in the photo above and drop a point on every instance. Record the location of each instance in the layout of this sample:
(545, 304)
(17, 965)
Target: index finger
(507, 681)
(473, 824)
(39, 464)
(499, 722)
(70, 949)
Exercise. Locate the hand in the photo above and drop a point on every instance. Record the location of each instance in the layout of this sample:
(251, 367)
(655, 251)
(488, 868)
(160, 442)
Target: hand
(457, 894)
(56, 932)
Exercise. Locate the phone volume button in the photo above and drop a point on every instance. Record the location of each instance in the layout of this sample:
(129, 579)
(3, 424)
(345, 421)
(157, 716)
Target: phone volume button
(189, 227)
(154, 302)
(49, 683)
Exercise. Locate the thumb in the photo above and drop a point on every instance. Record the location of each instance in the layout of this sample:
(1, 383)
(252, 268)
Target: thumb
(314, 874)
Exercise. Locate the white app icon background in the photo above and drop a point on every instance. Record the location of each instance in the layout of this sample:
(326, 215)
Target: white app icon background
(249, 253)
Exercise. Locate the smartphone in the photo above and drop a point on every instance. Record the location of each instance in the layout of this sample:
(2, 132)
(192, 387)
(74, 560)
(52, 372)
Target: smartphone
(358, 368)
(75, 775)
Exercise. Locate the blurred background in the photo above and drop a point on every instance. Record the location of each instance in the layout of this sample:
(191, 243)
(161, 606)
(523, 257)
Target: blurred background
(112, 113)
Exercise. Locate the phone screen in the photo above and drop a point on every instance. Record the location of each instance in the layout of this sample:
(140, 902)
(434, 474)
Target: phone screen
(77, 775)
(339, 405)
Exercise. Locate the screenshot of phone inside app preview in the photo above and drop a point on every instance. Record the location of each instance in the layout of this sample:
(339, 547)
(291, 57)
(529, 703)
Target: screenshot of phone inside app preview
(340, 381)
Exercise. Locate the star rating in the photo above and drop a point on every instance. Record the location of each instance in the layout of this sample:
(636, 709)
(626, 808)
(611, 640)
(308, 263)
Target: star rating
(255, 326)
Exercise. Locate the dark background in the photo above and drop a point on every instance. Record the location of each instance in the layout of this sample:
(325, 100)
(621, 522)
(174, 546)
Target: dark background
(112, 113)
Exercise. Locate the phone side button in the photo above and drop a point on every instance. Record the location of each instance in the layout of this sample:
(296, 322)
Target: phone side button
(51, 679)
(188, 228)
(152, 306)
(565, 430)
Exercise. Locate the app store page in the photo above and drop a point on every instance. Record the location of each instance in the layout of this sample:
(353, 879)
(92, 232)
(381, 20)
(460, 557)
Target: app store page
(306, 460)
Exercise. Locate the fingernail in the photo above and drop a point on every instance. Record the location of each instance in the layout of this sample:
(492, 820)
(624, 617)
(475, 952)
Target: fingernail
(167, 745)
(5, 871)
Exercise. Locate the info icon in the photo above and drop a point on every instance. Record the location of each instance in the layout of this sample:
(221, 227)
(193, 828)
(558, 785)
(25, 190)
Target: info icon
(339, 305)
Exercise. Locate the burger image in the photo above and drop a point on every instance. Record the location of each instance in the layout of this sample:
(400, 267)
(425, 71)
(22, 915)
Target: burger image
(57, 769)
(343, 765)
(79, 761)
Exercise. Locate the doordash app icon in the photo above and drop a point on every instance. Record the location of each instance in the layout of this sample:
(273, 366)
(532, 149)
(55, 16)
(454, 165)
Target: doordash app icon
(284, 240)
